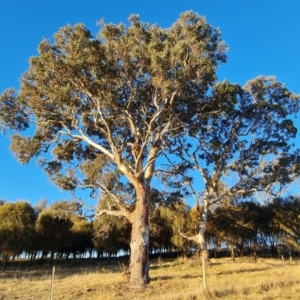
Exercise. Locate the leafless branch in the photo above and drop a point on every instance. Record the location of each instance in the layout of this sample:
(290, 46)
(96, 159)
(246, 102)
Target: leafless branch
(191, 238)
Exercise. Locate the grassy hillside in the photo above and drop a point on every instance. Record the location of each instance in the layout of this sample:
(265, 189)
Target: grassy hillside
(178, 279)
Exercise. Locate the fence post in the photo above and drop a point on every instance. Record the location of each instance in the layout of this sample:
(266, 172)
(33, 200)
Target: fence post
(284, 266)
(52, 283)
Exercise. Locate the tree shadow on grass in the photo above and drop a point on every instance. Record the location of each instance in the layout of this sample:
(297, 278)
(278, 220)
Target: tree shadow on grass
(158, 278)
(186, 276)
(159, 267)
(228, 272)
(63, 269)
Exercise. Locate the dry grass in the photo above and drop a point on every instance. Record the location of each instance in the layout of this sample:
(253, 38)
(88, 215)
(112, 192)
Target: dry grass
(179, 279)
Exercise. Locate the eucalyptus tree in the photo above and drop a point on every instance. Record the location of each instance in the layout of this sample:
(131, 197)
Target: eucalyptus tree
(113, 100)
(241, 140)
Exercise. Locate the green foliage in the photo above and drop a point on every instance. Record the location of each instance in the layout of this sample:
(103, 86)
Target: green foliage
(234, 225)
(62, 229)
(90, 95)
(82, 235)
(12, 113)
(285, 221)
(111, 234)
(255, 225)
(67, 209)
(25, 147)
(240, 143)
(177, 219)
(16, 228)
(54, 232)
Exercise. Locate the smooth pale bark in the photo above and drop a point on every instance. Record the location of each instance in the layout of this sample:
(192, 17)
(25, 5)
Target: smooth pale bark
(202, 242)
(204, 263)
(200, 239)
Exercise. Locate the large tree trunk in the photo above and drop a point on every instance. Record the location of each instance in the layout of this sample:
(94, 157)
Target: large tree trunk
(139, 245)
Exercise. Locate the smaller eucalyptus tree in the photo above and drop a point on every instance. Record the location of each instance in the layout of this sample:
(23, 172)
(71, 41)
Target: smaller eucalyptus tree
(240, 143)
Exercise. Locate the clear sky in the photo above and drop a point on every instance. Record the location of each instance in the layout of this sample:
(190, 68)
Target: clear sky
(263, 38)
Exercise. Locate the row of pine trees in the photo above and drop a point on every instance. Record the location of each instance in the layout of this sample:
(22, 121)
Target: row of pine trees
(63, 230)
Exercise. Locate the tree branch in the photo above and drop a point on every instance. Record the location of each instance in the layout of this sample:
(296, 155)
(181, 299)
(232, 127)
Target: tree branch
(192, 238)
(123, 208)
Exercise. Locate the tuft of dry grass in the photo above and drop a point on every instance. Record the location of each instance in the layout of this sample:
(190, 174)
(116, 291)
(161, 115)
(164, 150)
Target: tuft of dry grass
(178, 279)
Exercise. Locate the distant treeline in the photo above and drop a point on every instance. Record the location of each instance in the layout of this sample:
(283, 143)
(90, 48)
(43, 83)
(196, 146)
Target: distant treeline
(63, 231)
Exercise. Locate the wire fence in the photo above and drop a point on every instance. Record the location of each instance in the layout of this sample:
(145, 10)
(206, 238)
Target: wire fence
(56, 284)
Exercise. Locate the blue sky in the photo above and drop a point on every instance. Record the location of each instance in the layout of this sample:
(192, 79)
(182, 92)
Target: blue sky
(263, 38)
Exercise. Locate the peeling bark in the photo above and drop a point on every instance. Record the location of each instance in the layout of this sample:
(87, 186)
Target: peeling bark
(139, 245)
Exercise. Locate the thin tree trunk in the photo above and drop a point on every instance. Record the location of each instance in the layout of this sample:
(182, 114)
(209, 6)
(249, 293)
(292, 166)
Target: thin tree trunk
(232, 253)
(202, 242)
(52, 258)
(139, 245)
(204, 264)
(4, 261)
(30, 261)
